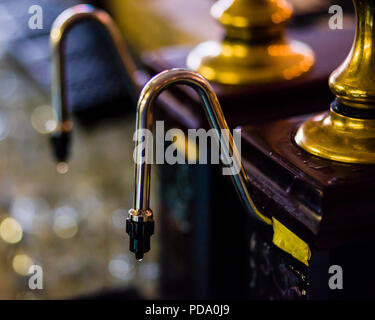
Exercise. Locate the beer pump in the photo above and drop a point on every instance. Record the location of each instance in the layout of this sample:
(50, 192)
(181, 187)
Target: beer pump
(61, 137)
(255, 49)
(140, 223)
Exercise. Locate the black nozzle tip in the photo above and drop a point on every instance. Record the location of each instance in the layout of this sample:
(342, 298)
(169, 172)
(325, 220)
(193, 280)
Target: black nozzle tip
(60, 144)
(140, 235)
(139, 255)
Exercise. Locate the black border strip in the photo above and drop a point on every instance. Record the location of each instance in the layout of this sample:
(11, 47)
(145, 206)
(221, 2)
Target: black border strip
(347, 111)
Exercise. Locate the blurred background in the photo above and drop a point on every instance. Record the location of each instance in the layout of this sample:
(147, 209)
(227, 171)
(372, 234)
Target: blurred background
(73, 224)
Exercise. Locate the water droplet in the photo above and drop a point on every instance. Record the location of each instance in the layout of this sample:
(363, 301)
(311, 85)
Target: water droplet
(62, 167)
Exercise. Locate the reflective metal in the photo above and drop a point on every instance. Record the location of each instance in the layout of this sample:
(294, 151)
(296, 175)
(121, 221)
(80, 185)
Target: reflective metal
(348, 136)
(255, 49)
(215, 116)
(60, 29)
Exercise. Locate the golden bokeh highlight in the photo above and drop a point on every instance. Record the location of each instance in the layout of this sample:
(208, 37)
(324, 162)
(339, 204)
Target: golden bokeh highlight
(10, 230)
(21, 264)
(240, 58)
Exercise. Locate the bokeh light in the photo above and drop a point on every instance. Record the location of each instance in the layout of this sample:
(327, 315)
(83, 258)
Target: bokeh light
(21, 264)
(10, 230)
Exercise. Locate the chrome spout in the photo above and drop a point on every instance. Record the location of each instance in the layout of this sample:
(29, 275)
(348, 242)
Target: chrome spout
(61, 137)
(140, 218)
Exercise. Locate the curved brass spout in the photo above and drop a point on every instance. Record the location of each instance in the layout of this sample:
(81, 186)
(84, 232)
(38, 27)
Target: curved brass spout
(140, 220)
(60, 28)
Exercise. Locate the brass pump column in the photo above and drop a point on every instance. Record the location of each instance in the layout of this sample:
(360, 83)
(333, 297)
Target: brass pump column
(254, 49)
(347, 132)
(61, 137)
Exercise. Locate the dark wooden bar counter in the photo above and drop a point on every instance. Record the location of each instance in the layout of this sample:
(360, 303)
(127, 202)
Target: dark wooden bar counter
(326, 203)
